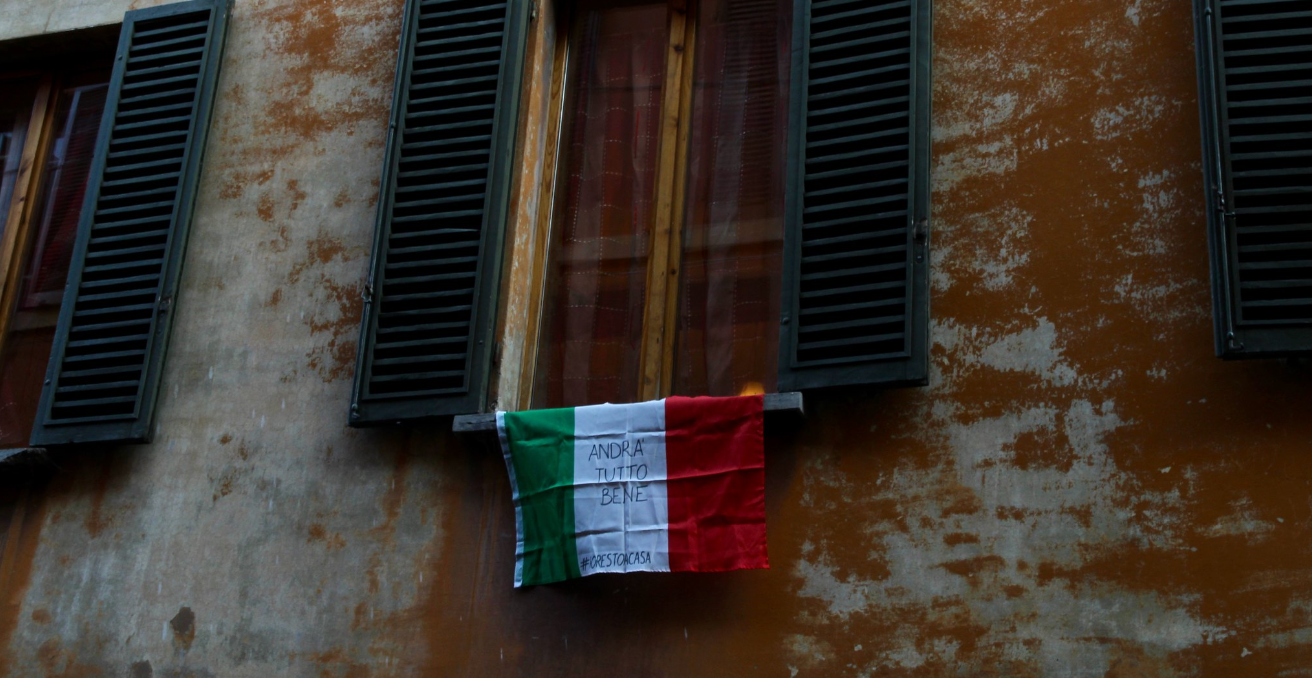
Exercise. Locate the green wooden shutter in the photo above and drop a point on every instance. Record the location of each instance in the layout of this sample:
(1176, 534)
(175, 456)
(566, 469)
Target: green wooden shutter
(855, 281)
(430, 303)
(1255, 93)
(108, 352)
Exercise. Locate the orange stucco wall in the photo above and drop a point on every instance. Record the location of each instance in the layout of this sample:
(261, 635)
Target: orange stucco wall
(1082, 489)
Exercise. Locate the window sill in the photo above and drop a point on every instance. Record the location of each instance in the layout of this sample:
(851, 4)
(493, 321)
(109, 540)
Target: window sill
(776, 404)
(14, 455)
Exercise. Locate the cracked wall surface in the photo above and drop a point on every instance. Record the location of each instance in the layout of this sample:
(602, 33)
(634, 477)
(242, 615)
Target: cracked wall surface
(1082, 490)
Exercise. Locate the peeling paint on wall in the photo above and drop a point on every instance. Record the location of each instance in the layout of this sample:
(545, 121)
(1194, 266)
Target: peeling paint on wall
(1082, 489)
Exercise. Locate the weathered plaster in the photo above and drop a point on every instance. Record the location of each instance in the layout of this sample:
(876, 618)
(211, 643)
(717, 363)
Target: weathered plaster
(1082, 490)
(23, 18)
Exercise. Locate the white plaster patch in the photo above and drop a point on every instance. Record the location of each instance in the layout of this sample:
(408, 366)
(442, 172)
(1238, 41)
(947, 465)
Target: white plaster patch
(974, 162)
(1038, 514)
(994, 245)
(1242, 520)
(985, 112)
(1031, 350)
(1034, 350)
(808, 651)
(843, 597)
(1138, 115)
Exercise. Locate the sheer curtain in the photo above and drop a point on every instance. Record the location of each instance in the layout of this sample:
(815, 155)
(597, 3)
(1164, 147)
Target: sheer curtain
(593, 307)
(728, 317)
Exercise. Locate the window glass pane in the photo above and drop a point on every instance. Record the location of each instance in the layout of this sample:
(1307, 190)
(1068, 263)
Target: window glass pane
(729, 278)
(15, 110)
(26, 348)
(593, 307)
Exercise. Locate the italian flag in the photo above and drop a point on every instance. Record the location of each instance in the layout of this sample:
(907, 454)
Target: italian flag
(663, 486)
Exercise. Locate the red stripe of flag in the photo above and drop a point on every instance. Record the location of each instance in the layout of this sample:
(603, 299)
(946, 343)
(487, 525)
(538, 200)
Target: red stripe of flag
(715, 462)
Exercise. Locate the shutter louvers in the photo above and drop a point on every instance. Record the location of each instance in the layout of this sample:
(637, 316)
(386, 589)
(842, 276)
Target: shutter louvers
(855, 307)
(1255, 77)
(425, 346)
(107, 357)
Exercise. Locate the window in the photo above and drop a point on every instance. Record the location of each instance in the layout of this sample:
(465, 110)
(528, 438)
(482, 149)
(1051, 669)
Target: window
(1255, 60)
(44, 245)
(608, 302)
(96, 226)
(706, 198)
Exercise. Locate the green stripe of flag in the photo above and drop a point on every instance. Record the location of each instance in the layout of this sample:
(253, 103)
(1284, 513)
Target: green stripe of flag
(542, 450)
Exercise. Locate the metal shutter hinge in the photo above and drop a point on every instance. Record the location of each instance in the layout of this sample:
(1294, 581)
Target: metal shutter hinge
(1233, 342)
(921, 234)
(368, 293)
(164, 304)
(533, 11)
(1221, 206)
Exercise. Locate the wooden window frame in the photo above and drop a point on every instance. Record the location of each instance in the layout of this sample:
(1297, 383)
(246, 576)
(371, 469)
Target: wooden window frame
(530, 227)
(18, 223)
(534, 192)
(67, 50)
(61, 54)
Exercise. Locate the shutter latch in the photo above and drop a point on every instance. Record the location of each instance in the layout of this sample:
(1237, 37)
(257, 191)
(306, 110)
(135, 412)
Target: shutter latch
(1221, 206)
(921, 232)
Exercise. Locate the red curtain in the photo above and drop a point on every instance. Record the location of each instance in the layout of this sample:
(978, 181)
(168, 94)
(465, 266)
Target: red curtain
(65, 187)
(728, 318)
(591, 333)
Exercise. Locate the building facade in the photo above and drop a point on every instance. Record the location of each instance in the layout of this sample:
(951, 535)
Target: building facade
(1081, 489)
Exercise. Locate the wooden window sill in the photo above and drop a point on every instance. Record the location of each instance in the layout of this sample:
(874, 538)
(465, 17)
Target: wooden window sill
(776, 404)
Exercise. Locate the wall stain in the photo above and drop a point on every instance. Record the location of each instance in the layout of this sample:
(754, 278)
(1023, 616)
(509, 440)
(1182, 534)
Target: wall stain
(335, 359)
(337, 310)
(183, 625)
(337, 663)
(58, 662)
(957, 538)
(971, 567)
(97, 519)
(331, 541)
(1082, 489)
(22, 495)
(264, 208)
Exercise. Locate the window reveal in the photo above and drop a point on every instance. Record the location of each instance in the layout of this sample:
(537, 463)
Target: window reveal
(609, 311)
(642, 239)
(30, 331)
